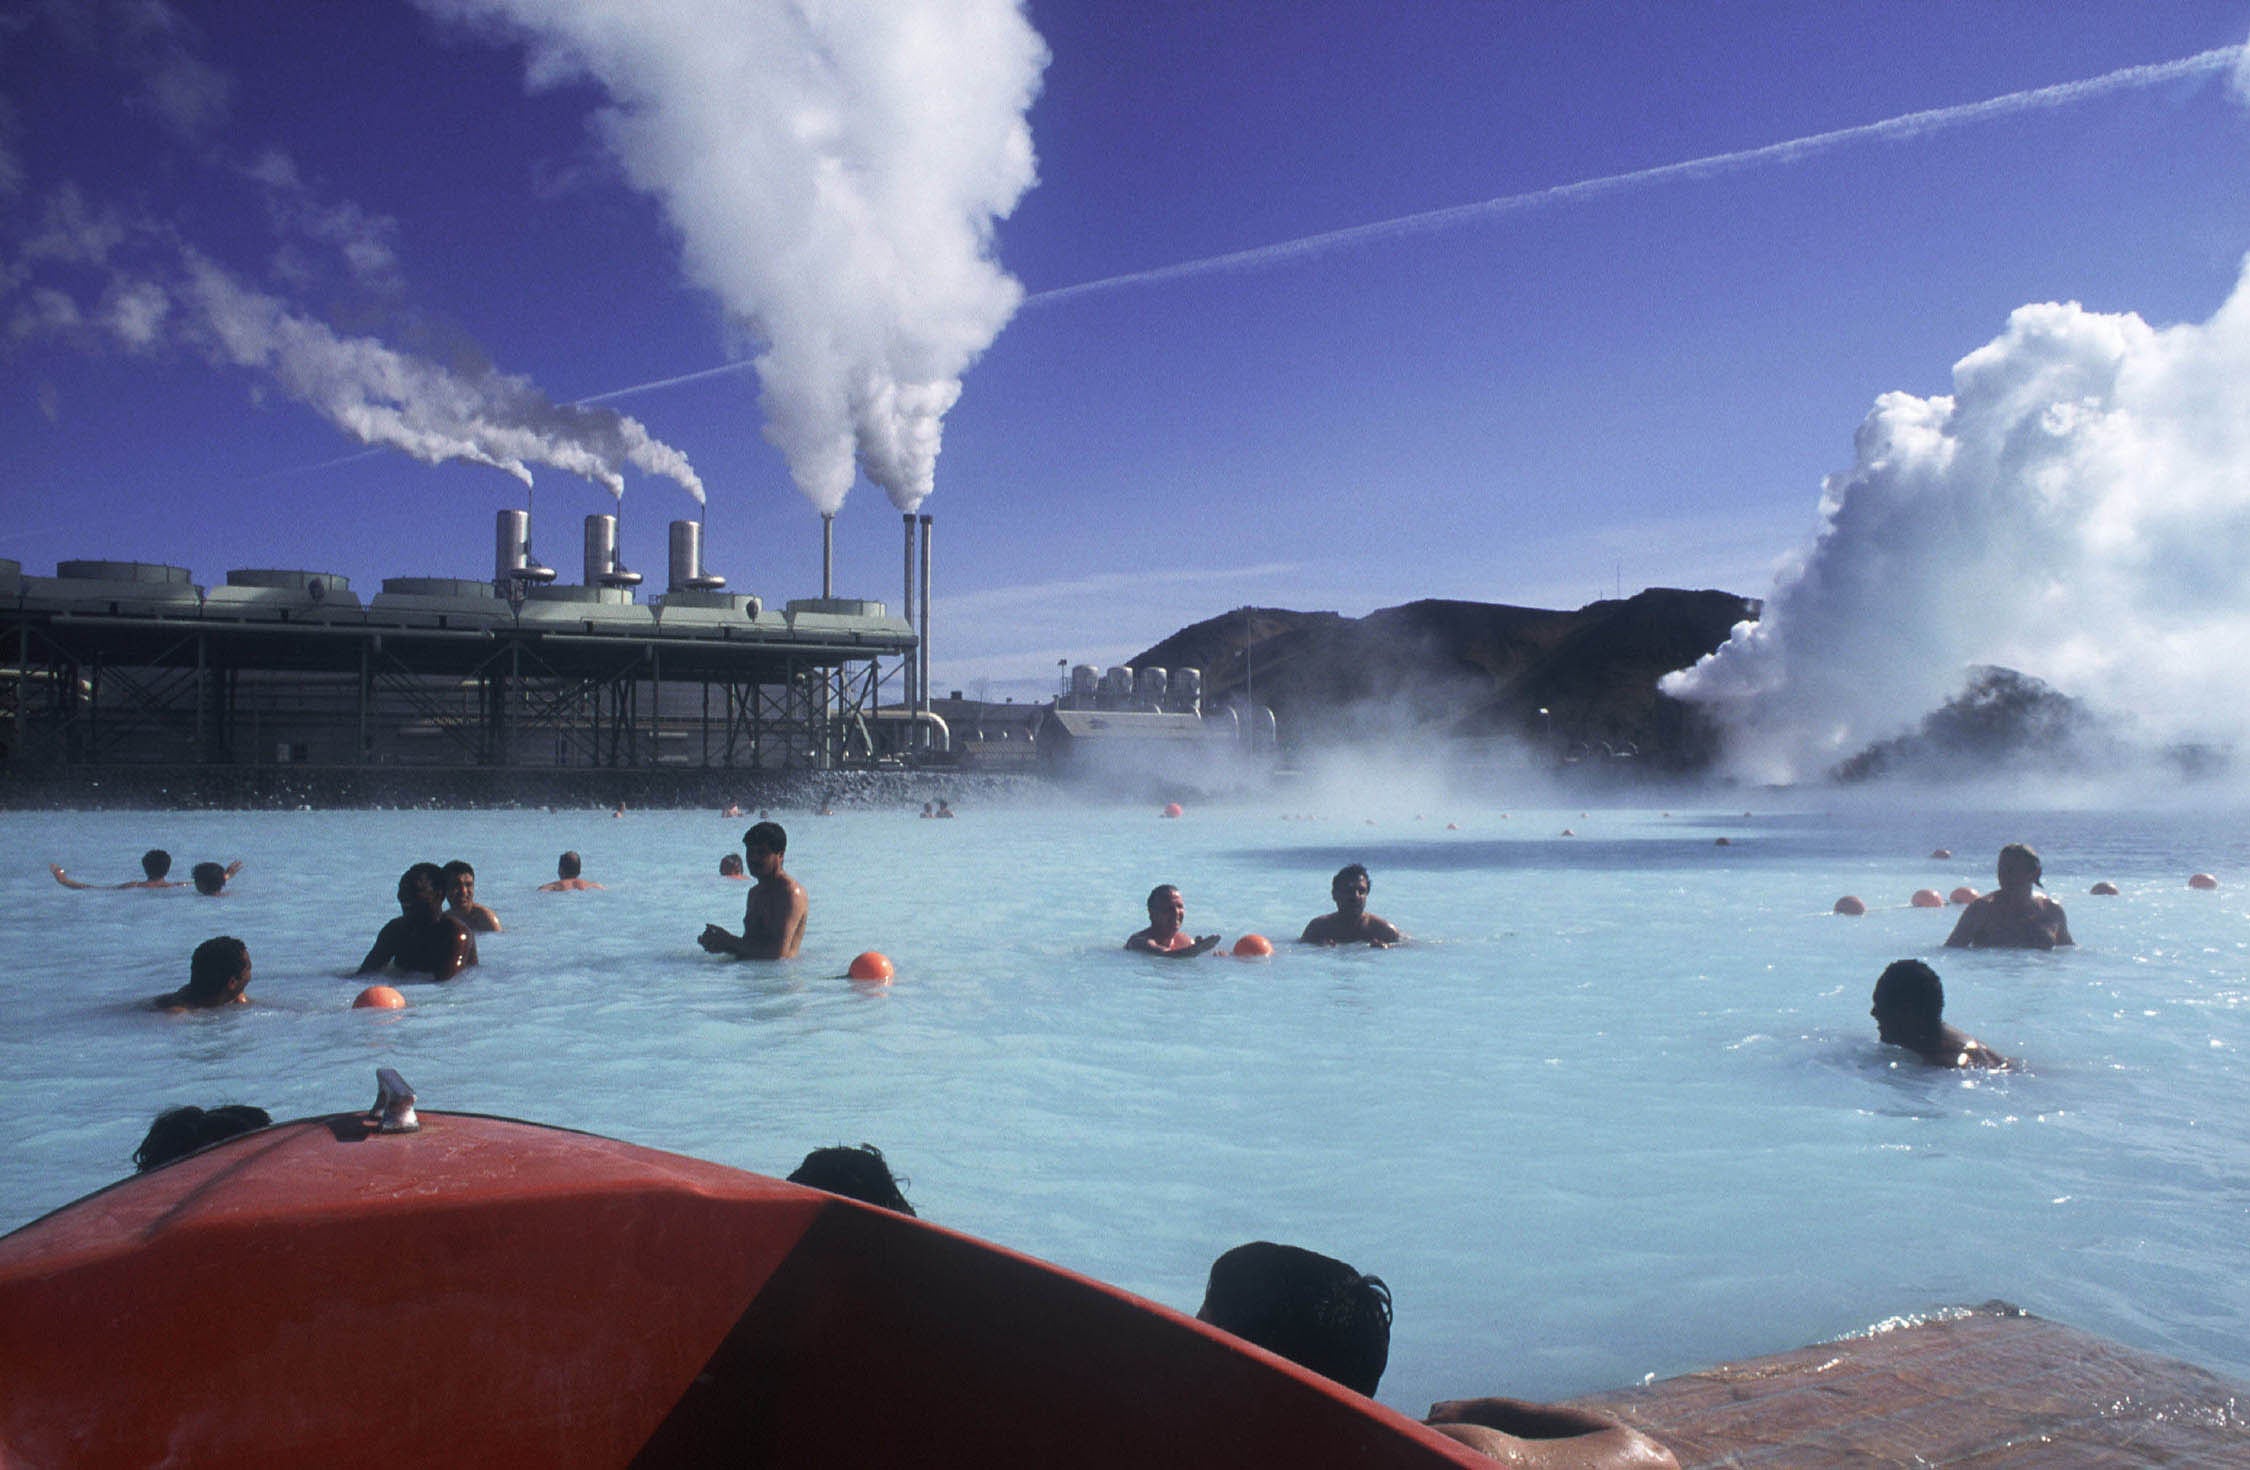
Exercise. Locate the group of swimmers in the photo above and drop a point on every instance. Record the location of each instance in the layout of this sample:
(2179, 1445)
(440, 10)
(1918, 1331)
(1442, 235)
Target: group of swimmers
(1351, 923)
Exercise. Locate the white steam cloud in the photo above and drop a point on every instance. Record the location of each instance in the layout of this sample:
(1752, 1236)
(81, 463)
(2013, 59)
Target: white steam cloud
(2078, 510)
(835, 171)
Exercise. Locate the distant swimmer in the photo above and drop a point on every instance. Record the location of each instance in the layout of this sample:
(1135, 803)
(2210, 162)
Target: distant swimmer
(218, 975)
(1909, 1011)
(1326, 1317)
(1165, 934)
(211, 879)
(730, 866)
(731, 811)
(423, 939)
(928, 809)
(461, 899)
(2012, 916)
(944, 808)
(1351, 923)
(773, 922)
(155, 863)
(567, 869)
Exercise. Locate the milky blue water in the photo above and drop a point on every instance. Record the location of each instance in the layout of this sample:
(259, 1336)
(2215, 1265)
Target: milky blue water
(1617, 1111)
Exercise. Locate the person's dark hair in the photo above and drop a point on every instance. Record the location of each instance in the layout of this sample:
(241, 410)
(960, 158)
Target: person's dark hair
(209, 878)
(855, 1173)
(455, 869)
(2021, 852)
(1159, 891)
(569, 865)
(214, 963)
(1910, 990)
(1350, 870)
(156, 862)
(178, 1132)
(769, 836)
(1314, 1310)
(420, 873)
(730, 865)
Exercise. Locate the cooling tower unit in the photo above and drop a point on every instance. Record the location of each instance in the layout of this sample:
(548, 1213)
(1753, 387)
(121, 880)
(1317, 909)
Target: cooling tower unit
(511, 548)
(1083, 679)
(1149, 688)
(602, 566)
(687, 560)
(1187, 692)
(1117, 687)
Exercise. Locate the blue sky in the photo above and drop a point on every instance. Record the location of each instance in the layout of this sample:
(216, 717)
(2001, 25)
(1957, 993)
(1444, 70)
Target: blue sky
(1544, 404)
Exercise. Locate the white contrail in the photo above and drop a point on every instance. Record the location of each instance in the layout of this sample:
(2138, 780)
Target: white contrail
(1907, 125)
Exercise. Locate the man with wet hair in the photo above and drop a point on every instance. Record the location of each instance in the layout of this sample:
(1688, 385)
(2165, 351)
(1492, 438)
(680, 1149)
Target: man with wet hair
(178, 1132)
(773, 922)
(218, 975)
(730, 866)
(567, 869)
(423, 939)
(855, 1173)
(1909, 1011)
(1351, 923)
(1320, 1314)
(461, 899)
(2012, 916)
(211, 879)
(1166, 933)
(155, 863)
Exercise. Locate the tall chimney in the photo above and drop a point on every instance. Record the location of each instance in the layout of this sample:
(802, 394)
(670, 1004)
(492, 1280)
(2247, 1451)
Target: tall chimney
(512, 561)
(687, 560)
(912, 683)
(827, 553)
(924, 654)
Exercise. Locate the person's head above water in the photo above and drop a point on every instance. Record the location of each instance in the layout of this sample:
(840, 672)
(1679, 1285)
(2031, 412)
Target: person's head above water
(730, 866)
(210, 878)
(218, 971)
(156, 862)
(766, 837)
(2019, 866)
(855, 1173)
(1909, 1003)
(1312, 1309)
(1165, 902)
(1350, 887)
(178, 1132)
(456, 889)
(421, 890)
(568, 865)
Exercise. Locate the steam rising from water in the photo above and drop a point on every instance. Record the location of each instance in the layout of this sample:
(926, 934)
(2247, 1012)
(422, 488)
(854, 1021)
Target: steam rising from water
(2077, 509)
(834, 170)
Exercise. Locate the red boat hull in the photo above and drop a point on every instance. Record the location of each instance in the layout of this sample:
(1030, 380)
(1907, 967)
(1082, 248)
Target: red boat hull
(486, 1292)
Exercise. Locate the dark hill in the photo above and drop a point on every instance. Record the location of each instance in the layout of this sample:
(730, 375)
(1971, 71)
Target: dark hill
(1441, 670)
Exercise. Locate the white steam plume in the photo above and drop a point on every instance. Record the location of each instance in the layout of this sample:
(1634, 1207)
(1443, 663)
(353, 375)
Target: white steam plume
(835, 169)
(2078, 510)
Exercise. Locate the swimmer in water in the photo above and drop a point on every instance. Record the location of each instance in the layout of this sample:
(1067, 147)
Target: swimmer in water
(855, 1173)
(1167, 912)
(1322, 1315)
(944, 808)
(1351, 923)
(730, 866)
(423, 939)
(178, 1132)
(211, 879)
(773, 922)
(155, 863)
(218, 975)
(461, 899)
(2012, 916)
(567, 869)
(1909, 1011)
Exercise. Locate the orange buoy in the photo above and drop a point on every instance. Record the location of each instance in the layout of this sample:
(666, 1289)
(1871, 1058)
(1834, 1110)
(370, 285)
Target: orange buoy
(2203, 880)
(1963, 894)
(2104, 889)
(1927, 898)
(873, 966)
(1941, 853)
(1850, 905)
(1174, 809)
(1252, 947)
(378, 998)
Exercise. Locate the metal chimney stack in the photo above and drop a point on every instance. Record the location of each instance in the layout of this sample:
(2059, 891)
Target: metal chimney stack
(687, 560)
(923, 655)
(913, 683)
(827, 553)
(602, 566)
(511, 551)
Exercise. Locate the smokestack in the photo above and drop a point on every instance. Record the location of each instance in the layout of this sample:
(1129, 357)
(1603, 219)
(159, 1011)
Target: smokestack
(828, 553)
(913, 684)
(687, 560)
(602, 566)
(511, 551)
(923, 655)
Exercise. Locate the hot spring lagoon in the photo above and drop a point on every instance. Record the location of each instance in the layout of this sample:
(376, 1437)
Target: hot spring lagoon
(1618, 1110)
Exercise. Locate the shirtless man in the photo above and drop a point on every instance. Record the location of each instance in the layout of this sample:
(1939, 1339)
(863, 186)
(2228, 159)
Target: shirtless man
(773, 922)
(2012, 916)
(1909, 1011)
(461, 899)
(155, 863)
(1351, 923)
(1167, 913)
(218, 975)
(423, 939)
(567, 869)
(211, 879)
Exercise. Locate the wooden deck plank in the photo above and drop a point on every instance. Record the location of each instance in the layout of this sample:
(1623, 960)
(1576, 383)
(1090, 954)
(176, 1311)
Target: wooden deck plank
(1992, 1389)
